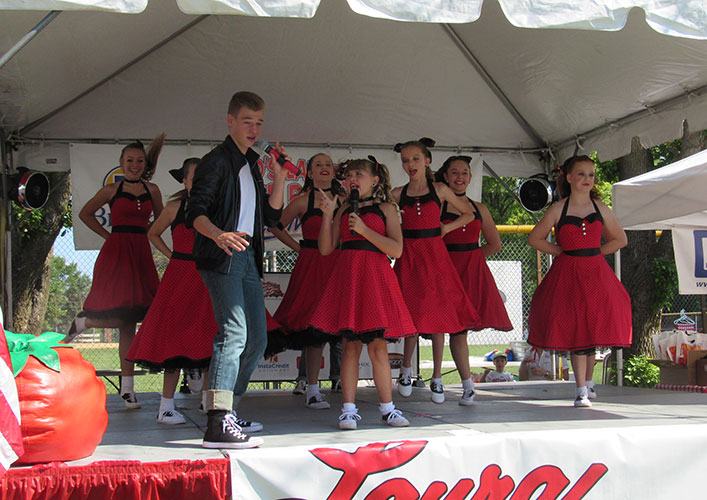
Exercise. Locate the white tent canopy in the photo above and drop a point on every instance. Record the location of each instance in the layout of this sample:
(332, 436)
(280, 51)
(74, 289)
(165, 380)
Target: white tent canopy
(347, 80)
(666, 198)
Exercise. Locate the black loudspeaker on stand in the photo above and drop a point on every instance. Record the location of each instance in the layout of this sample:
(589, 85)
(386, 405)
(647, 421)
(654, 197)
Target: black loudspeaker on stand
(28, 188)
(536, 192)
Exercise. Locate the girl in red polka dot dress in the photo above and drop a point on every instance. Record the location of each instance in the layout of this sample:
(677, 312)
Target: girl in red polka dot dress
(361, 301)
(309, 276)
(580, 304)
(124, 277)
(178, 330)
(431, 286)
(468, 257)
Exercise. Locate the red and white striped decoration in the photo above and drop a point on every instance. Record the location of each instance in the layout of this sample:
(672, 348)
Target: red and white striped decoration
(683, 388)
(10, 434)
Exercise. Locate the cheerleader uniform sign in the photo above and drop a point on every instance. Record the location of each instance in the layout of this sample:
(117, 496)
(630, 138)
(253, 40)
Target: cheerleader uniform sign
(690, 247)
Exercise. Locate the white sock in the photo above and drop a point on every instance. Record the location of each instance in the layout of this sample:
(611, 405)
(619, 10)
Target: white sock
(468, 384)
(437, 381)
(80, 324)
(406, 371)
(349, 408)
(386, 408)
(166, 404)
(312, 390)
(582, 391)
(590, 384)
(203, 399)
(127, 384)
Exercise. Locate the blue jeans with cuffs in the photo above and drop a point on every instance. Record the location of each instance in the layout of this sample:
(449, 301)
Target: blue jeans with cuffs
(239, 308)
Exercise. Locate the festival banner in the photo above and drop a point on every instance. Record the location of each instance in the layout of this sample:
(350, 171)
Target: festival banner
(690, 246)
(96, 165)
(662, 463)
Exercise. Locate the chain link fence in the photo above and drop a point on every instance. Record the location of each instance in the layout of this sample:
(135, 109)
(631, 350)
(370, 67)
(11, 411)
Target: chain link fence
(516, 269)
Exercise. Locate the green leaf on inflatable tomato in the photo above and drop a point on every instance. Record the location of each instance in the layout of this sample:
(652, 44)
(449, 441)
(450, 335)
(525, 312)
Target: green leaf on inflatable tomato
(23, 345)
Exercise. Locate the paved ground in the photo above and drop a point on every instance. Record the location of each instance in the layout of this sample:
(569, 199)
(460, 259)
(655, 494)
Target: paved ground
(499, 407)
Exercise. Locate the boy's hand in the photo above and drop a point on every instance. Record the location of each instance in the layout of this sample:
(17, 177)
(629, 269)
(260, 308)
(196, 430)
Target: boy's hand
(278, 169)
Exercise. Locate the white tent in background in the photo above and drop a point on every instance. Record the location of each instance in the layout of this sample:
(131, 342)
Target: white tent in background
(672, 197)
(666, 198)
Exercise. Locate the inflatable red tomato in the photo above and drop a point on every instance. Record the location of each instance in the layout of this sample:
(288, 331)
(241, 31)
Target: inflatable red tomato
(62, 402)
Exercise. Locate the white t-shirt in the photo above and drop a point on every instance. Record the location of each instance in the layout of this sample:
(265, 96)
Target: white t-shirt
(246, 213)
(494, 376)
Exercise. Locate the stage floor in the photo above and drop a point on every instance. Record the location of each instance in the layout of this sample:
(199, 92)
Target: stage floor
(499, 408)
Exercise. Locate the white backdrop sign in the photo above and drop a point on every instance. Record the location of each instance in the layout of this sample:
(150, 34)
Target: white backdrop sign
(96, 165)
(690, 245)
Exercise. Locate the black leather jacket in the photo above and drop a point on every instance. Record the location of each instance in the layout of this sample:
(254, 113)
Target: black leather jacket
(216, 193)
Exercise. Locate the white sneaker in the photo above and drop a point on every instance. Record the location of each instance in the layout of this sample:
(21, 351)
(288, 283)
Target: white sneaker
(348, 420)
(317, 402)
(582, 402)
(300, 387)
(194, 380)
(437, 392)
(395, 419)
(591, 393)
(171, 417)
(130, 401)
(467, 398)
(405, 385)
(246, 425)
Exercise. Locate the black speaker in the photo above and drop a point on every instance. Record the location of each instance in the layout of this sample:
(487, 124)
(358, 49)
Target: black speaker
(29, 189)
(536, 193)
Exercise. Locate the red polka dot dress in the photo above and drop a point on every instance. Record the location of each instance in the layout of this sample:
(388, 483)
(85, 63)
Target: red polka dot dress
(469, 261)
(124, 277)
(362, 299)
(431, 287)
(307, 281)
(580, 303)
(179, 328)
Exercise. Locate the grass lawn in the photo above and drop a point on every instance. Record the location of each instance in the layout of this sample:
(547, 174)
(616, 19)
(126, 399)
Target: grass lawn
(106, 358)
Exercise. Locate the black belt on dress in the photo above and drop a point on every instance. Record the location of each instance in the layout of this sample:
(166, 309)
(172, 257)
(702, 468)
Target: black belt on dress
(462, 247)
(182, 256)
(583, 252)
(309, 243)
(360, 245)
(422, 233)
(129, 229)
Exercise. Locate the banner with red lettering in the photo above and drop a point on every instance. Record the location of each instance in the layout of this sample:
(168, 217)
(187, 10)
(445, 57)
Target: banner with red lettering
(664, 462)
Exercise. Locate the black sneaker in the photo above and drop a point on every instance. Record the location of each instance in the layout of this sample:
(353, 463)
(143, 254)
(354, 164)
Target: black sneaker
(222, 432)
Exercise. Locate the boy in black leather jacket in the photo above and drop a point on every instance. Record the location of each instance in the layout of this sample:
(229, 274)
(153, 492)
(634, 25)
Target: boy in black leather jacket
(228, 206)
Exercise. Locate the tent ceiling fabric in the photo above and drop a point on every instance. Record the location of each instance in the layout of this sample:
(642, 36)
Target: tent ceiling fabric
(686, 18)
(124, 6)
(345, 79)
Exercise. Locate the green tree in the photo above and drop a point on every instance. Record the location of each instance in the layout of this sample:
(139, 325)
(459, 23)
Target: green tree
(504, 208)
(68, 287)
(33, 234)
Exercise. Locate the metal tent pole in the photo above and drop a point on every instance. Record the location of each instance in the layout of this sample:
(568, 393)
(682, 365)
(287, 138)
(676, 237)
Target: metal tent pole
(28, 37)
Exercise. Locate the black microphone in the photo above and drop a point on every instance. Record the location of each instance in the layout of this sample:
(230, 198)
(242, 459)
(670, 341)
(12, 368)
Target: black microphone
(275, 154)
(353, 198)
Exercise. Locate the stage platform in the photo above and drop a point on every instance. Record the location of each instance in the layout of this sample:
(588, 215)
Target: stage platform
(500, 410)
